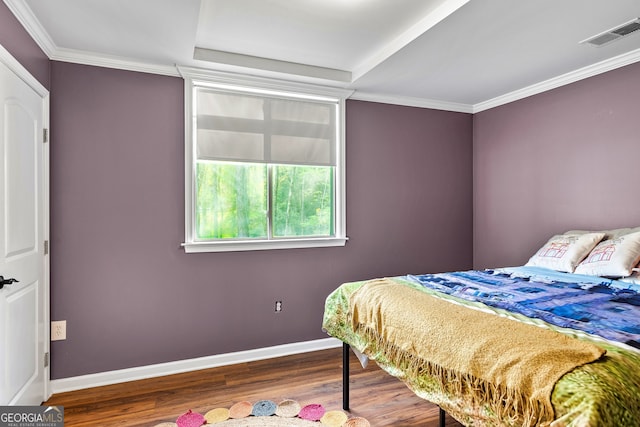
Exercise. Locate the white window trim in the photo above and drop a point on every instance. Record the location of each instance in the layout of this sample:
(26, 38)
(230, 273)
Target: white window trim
(191, 244)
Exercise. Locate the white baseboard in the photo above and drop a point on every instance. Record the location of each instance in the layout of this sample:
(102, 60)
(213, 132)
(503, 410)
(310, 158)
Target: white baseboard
(169, 368)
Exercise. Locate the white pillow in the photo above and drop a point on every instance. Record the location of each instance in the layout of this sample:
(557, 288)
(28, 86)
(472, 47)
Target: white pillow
(563, 252)
(612, 258)
(608, 234)
(633, 278)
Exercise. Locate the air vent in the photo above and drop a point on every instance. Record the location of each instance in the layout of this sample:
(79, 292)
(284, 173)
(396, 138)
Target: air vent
(613, 34)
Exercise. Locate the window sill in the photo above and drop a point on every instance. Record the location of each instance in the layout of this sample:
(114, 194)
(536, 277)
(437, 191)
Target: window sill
(259, 245)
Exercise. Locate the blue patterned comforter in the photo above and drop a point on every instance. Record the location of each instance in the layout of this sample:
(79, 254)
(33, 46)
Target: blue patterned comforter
(606, 308)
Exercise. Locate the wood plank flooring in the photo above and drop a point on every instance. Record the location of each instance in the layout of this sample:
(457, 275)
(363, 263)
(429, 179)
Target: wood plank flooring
(314, 377)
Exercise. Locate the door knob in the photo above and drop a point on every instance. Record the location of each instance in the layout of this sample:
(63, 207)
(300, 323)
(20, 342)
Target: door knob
(6, 282)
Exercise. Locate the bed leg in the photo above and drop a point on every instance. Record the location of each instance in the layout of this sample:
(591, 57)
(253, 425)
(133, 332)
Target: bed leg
(345, 376)
(441, 417)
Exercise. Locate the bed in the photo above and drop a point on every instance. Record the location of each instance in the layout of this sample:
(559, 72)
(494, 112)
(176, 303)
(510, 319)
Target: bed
(554, 342)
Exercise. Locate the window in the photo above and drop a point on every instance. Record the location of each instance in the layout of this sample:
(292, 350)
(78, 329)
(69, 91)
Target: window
(264, 164)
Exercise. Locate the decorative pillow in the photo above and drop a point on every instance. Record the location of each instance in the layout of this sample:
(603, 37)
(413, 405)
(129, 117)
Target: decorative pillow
(612, 258)
(612, 233)
(634, 278)
(563, 252)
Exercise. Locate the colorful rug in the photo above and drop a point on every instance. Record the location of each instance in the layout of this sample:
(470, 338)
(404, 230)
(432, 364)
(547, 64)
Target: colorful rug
(266, 413)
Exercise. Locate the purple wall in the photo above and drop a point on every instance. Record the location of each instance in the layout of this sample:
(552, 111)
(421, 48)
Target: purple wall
(15, 39)
(560, 160)
(130, 294)
(409, 190)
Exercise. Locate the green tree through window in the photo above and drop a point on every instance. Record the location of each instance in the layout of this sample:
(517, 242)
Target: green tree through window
(303, 201)
(232, 201)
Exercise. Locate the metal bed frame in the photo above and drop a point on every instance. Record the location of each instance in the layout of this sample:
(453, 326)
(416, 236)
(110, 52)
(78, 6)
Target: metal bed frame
(345, 385)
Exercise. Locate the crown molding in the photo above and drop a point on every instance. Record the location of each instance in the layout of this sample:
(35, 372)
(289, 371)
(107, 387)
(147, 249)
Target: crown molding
(412, 102)
(32, 25)
(27, 19)
(109, 61)
(562, 80)
(265, 82)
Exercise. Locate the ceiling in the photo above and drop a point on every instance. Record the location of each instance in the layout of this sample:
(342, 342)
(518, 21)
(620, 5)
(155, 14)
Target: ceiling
(460, 55)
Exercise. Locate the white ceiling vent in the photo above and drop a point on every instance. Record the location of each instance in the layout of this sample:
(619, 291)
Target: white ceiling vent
(614, 33)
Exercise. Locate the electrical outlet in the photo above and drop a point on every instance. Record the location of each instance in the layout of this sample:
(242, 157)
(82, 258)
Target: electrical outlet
(278, 306)
(58, 330)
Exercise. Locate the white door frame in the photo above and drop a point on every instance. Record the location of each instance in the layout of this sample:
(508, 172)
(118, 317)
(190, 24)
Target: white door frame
(18, 69)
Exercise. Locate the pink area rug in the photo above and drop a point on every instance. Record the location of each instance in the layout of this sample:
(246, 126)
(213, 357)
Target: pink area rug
(267, 413)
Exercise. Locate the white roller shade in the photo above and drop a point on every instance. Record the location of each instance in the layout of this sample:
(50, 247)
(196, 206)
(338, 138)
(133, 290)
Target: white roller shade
(249, 127)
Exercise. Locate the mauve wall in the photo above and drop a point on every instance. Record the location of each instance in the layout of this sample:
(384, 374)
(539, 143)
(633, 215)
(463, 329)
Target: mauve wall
(560, 160)
(130, 294)
(15, 39)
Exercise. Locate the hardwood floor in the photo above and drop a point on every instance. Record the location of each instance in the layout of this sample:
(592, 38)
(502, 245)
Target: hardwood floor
(314, 377)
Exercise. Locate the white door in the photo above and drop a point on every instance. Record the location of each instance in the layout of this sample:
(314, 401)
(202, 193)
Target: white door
(23, 228)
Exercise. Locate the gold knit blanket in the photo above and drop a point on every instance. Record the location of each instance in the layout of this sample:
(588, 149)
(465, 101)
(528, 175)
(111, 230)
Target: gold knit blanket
(504, 364)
